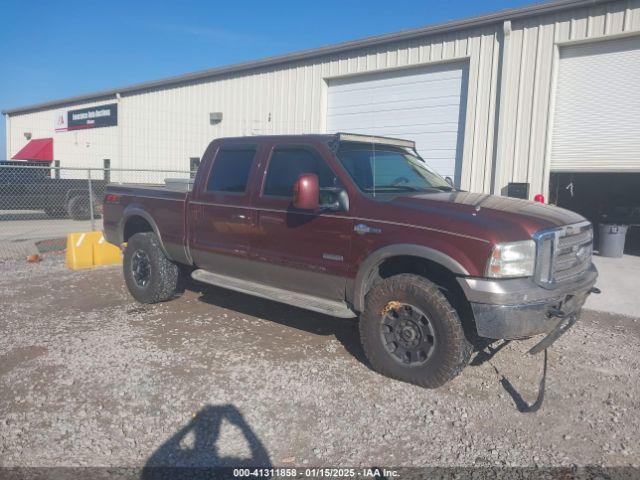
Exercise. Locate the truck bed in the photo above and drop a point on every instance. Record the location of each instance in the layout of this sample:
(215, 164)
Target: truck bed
(145, 190)
(160, 205)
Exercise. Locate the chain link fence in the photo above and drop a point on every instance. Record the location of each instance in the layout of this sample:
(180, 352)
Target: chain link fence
(41, 205)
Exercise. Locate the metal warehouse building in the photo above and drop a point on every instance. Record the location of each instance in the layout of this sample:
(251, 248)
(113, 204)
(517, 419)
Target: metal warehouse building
(542, 99)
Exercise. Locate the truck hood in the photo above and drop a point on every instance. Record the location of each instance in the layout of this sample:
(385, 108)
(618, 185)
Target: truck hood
(490, 217)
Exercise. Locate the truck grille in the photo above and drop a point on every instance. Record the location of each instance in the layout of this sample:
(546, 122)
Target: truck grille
(563, 254)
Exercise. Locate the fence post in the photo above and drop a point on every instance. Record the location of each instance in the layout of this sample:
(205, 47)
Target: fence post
(93, 220)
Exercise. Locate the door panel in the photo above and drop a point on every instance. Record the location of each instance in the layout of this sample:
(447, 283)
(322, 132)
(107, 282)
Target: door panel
(303, 251)
(222, 221)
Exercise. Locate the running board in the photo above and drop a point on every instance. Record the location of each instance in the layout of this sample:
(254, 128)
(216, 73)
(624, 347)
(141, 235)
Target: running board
(301, 300)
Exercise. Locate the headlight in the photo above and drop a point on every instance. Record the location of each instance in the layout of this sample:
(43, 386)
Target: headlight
(512, 259)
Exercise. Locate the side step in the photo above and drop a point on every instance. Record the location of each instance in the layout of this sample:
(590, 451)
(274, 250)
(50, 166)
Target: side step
(301, 300)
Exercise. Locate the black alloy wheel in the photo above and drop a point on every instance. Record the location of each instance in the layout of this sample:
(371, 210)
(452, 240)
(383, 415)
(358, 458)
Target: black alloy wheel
(407, 334)
(141, 268)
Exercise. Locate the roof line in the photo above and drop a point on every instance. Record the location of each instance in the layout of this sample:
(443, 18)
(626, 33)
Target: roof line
(472, 22)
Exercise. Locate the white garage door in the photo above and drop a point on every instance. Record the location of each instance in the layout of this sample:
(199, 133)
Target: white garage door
(423, 104)
(596, 123)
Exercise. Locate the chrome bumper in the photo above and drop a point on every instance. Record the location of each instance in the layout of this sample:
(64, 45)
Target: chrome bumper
(518, 308)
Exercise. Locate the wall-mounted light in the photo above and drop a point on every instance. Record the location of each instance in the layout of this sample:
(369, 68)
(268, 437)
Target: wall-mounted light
(27, 135)
(215, 118)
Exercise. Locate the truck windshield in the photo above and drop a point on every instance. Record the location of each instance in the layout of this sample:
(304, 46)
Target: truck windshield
(378, 168)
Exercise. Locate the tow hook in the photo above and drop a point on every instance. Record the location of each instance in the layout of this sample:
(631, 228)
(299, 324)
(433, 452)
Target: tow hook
(557, 312)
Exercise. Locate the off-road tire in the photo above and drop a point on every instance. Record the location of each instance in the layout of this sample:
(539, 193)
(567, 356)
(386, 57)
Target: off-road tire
(165, 277)
(451, 350)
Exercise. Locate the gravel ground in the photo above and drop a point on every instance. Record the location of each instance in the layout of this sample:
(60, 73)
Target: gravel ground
(89, 377)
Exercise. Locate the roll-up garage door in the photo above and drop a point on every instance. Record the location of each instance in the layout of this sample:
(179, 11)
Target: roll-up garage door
(424, 104)
(596, 123)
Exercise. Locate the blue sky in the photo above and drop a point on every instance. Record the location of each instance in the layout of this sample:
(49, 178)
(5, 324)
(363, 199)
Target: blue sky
(51, 49)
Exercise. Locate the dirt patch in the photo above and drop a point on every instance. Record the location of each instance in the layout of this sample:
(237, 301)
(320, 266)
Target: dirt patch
(18, 356)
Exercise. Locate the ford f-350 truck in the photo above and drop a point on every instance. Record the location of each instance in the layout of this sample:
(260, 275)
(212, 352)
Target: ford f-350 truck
(359, 226)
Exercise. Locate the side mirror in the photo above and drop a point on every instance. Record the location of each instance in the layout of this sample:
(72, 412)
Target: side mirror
(449, 180)
(306, 193)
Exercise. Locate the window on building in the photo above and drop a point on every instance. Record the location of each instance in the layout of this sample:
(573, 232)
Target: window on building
(287, 164)
(230, 171)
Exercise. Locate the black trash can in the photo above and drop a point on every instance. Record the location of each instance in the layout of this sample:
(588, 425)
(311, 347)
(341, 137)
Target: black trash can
(611, 239)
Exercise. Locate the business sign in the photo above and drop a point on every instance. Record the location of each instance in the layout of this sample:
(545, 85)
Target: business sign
(94, 117)
(60, 121)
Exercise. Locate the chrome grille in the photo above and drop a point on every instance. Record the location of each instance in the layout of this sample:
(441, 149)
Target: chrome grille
(563, 253)
(573, 254)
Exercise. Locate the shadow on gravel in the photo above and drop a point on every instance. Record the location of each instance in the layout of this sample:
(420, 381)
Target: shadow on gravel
(194, 451)
(344, 330)
(486, 354)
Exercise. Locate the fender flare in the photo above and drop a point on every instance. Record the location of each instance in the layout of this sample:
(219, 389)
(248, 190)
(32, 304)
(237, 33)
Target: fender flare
(138, 211)
(364, 277)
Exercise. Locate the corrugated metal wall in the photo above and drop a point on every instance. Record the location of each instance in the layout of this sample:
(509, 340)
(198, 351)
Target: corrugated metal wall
(527, 86)
(163, 128)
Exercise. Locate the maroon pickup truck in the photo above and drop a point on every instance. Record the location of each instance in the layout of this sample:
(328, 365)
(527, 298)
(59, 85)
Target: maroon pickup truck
(352, 225)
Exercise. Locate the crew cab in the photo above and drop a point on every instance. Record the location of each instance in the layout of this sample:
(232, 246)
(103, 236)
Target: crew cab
(359, 226)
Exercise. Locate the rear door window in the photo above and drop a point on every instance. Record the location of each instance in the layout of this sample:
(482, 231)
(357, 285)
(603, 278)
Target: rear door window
(230, 171)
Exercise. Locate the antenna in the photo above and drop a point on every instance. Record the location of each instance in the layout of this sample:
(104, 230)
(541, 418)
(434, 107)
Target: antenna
(374, 168)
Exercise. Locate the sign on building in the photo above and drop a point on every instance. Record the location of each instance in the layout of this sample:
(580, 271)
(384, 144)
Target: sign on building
(60, 121)
(92, 117)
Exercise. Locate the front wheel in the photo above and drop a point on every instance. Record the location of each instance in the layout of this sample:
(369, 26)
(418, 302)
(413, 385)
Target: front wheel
(410, 331)
(150, 276)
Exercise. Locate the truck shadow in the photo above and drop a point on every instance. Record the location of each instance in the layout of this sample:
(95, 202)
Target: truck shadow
(194, 450)
(344, 330)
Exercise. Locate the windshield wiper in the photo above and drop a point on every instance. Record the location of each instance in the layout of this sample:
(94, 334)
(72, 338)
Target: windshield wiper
(406, 188)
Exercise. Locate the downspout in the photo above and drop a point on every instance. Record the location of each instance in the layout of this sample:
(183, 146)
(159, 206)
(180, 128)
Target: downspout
(502, 38)
(7, 132)
(119, 126)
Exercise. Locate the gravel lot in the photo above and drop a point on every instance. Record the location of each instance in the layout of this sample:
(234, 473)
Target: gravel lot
(89, 377)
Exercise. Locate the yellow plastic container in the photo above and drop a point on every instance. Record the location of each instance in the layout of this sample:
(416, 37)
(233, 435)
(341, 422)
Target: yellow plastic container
(105, 253)
(80, 249)
(88, 249)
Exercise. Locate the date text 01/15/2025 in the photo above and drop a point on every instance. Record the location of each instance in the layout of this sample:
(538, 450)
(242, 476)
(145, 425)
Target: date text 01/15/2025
(315, 472)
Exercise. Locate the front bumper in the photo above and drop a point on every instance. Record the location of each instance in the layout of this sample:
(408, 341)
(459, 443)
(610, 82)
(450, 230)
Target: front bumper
(518, 308)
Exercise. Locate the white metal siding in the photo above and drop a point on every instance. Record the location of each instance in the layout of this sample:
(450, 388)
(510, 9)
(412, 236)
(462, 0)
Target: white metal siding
(596, 123)
(526, 88)
(163, 127)
(424, 104)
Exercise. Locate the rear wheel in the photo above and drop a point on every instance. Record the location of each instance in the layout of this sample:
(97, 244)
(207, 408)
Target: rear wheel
(410, 331)
(78, 208)
(150, 276)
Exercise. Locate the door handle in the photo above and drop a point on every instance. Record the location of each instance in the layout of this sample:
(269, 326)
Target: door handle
(362, 229)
